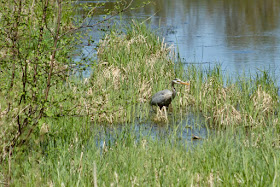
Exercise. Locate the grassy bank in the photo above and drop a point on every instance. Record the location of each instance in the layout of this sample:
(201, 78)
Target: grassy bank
(70, 156)
(70, 148)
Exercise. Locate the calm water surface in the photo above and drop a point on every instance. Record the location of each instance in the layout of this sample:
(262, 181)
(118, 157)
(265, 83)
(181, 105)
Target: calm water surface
(181, 131)
(242, 35)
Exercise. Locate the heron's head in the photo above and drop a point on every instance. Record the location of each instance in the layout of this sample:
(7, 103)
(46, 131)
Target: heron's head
(178, 81)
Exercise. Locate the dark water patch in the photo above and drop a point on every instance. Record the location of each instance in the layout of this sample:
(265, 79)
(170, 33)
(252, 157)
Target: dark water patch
(188, 131)
(243, 51)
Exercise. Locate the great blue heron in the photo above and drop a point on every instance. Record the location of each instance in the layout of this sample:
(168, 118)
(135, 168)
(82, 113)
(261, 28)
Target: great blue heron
(164, 97)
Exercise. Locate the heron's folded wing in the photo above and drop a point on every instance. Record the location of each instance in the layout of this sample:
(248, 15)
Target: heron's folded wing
(161, 97)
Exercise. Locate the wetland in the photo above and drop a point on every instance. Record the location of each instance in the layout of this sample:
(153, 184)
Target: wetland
(78, 112)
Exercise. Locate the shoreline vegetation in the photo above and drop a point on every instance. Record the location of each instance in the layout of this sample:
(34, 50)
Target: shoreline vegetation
(133, 65)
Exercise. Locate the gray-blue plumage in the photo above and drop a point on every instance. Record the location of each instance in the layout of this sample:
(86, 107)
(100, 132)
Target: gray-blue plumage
(164, 97)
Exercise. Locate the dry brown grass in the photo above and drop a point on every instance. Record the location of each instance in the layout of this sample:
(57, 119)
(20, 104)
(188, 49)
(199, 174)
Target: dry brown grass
(263, 101)
(161, 115)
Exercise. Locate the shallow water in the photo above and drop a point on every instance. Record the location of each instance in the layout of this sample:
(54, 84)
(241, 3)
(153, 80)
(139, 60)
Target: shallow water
(187, 131)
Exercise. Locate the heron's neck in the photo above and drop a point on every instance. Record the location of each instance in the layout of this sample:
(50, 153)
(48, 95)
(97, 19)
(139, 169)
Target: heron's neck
(173, 90)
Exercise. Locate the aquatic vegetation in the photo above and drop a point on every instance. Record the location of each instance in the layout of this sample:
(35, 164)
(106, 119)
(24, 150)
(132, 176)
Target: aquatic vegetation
(160, 116)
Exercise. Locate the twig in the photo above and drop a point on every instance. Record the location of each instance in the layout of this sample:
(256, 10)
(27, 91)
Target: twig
(149, 18)
(94, 175)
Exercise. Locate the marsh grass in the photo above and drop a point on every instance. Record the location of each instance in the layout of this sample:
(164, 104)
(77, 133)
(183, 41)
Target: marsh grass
(248, 101)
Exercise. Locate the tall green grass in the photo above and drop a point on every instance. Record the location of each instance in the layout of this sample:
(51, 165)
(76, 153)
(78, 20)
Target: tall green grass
(69, 156)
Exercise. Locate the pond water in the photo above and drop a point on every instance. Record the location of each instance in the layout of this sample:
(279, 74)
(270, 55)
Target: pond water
(241, 35)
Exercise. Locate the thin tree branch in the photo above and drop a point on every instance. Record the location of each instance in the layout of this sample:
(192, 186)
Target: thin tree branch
(56, 38)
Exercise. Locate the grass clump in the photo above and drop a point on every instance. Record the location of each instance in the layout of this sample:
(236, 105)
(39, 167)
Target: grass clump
(131, 66)
(248, 101)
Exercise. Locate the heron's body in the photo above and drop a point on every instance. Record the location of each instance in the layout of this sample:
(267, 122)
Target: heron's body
(164, 97)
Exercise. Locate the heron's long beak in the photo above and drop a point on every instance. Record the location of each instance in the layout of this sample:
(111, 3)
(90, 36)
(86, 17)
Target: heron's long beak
(185, 83)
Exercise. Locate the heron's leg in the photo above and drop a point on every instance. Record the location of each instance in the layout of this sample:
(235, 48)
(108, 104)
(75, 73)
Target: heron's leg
(165, 113)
